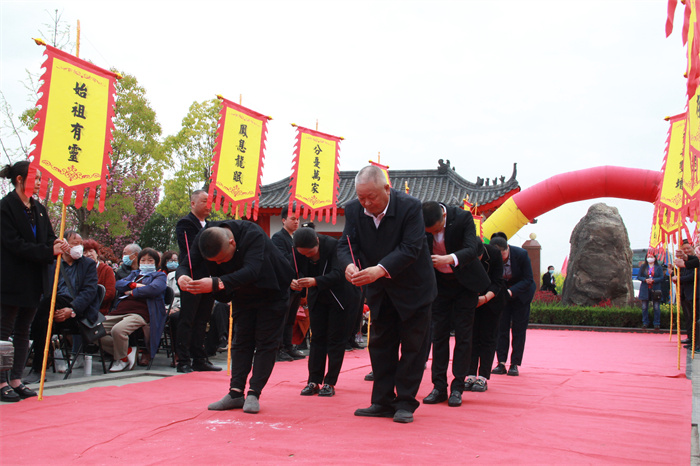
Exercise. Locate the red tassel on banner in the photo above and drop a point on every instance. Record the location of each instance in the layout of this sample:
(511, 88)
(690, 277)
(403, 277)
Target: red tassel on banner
(671, 13)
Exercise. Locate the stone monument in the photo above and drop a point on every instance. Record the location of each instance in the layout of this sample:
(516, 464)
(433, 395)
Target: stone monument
(600, 260)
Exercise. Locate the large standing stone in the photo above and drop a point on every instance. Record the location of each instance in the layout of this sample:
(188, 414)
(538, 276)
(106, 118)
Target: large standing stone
(600, 260)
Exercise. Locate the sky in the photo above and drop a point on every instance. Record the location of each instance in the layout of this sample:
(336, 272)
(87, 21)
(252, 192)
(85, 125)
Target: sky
(554, 86)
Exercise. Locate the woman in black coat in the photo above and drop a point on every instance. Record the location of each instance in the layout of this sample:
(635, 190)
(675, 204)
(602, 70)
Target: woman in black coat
(331, 300)
(28, 246)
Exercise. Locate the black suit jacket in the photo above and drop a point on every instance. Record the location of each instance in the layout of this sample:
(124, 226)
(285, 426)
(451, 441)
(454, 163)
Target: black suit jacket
(460, 240)
(24, 258)
(400, 246)
(284, 242)
(331, 285)
(257, 271)
(188, 226)
(521, 284)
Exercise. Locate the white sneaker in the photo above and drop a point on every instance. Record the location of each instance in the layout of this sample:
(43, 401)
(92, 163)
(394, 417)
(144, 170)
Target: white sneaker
(131, 357)
(119, 366)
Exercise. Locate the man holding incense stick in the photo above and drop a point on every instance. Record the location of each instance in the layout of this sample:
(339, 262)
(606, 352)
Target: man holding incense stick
(242, 266)
(195, 310)
(384, 228)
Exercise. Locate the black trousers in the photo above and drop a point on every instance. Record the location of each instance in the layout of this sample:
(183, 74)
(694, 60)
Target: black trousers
(257, 330)
(40, 327)
(195, 311)
(329, 335)
(16, 322)
(485, 336)
(452, 309)
(290, 318)
(514, 319)
(397, 350)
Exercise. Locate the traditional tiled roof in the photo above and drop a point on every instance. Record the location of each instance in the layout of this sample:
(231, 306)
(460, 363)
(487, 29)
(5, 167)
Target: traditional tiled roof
(442, 185)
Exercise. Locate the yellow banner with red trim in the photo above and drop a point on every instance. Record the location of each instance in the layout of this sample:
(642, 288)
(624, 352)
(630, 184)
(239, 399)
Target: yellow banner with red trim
(691, 152)
(238, 159)
(671, 191)
(314, 182)
(74, 128)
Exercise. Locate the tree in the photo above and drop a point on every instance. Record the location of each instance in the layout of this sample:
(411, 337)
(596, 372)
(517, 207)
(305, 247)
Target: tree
(192, 148)
(134, 178)
(159, 233)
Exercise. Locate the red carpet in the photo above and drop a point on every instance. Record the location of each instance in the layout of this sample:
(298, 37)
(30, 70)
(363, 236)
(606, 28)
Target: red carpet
(581, 398)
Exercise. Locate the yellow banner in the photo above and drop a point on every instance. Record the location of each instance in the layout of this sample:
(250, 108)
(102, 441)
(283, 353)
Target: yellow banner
(671, 193)
(316, 172)
(691, 184)
(238, 158)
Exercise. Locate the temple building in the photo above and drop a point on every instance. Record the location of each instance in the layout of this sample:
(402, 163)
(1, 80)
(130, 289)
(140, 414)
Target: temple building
(443, 184)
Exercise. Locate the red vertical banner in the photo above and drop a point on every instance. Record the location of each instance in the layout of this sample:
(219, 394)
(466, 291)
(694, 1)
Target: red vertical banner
(314, 181)
(239, 156)
(74, 128)
(384, 169)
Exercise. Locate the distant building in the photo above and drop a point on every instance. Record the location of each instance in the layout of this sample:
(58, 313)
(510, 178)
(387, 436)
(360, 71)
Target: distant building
(442, 184)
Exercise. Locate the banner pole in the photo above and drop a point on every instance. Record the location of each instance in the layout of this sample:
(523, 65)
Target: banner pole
(230, 334)
(52, 308)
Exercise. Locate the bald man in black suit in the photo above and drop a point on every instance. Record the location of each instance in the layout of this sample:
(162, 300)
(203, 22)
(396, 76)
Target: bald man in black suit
(386, 227)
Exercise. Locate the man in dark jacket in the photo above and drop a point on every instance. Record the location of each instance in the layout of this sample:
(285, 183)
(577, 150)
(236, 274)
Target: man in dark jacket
(195, 310)
(283, 240)
(520, 289)
(386, 227)
(235, 261)
(460, 279)
(76, 298)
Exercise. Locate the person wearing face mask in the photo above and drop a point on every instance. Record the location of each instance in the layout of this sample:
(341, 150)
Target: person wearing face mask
(129, 261)
(549, 283)
(105, 274)
(651, 275)
(142, 304)
(28, 246)
(76, 297)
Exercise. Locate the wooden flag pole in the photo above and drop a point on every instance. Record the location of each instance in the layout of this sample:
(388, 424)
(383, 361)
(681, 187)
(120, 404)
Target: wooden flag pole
(52, 308)
(230, 332)
(695, 303)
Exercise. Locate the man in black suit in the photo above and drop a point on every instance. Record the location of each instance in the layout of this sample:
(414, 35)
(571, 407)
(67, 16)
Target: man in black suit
(283, 240)
(386, 227)
(460, 278)
(517, 272)
(195, 310)
(242, 265)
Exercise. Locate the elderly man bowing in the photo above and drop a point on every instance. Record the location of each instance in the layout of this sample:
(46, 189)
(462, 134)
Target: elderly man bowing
(386, 229)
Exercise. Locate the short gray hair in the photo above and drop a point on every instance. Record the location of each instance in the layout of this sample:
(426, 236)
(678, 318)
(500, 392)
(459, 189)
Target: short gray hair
(371, 173)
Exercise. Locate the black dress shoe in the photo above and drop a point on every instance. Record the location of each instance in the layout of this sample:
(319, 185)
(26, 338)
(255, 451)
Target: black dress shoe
(435, 397)
(310, 390)
(8, 395)
(295, 354)
(184, 368)
(326, 390)
(403, 416)
(283, 356)
(204, 365)
(513, 370)
(455, 399)
(24, 392)
(32, 377)
(370, 377)
(499, 369)
(375, 411)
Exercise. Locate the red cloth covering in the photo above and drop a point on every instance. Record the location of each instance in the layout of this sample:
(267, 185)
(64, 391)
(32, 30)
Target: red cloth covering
(581, 398)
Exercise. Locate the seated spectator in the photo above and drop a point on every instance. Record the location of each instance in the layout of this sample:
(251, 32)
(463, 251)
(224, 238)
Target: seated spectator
(105, 274)
(76, 297)
(141, 305)
(129, 258)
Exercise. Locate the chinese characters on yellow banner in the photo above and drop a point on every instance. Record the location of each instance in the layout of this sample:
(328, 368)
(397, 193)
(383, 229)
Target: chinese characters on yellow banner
(74, 128)
(238, 159)
(314, 183)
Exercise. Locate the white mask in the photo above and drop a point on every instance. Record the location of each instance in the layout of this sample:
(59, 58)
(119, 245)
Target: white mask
(76, 252)
(651, 260)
